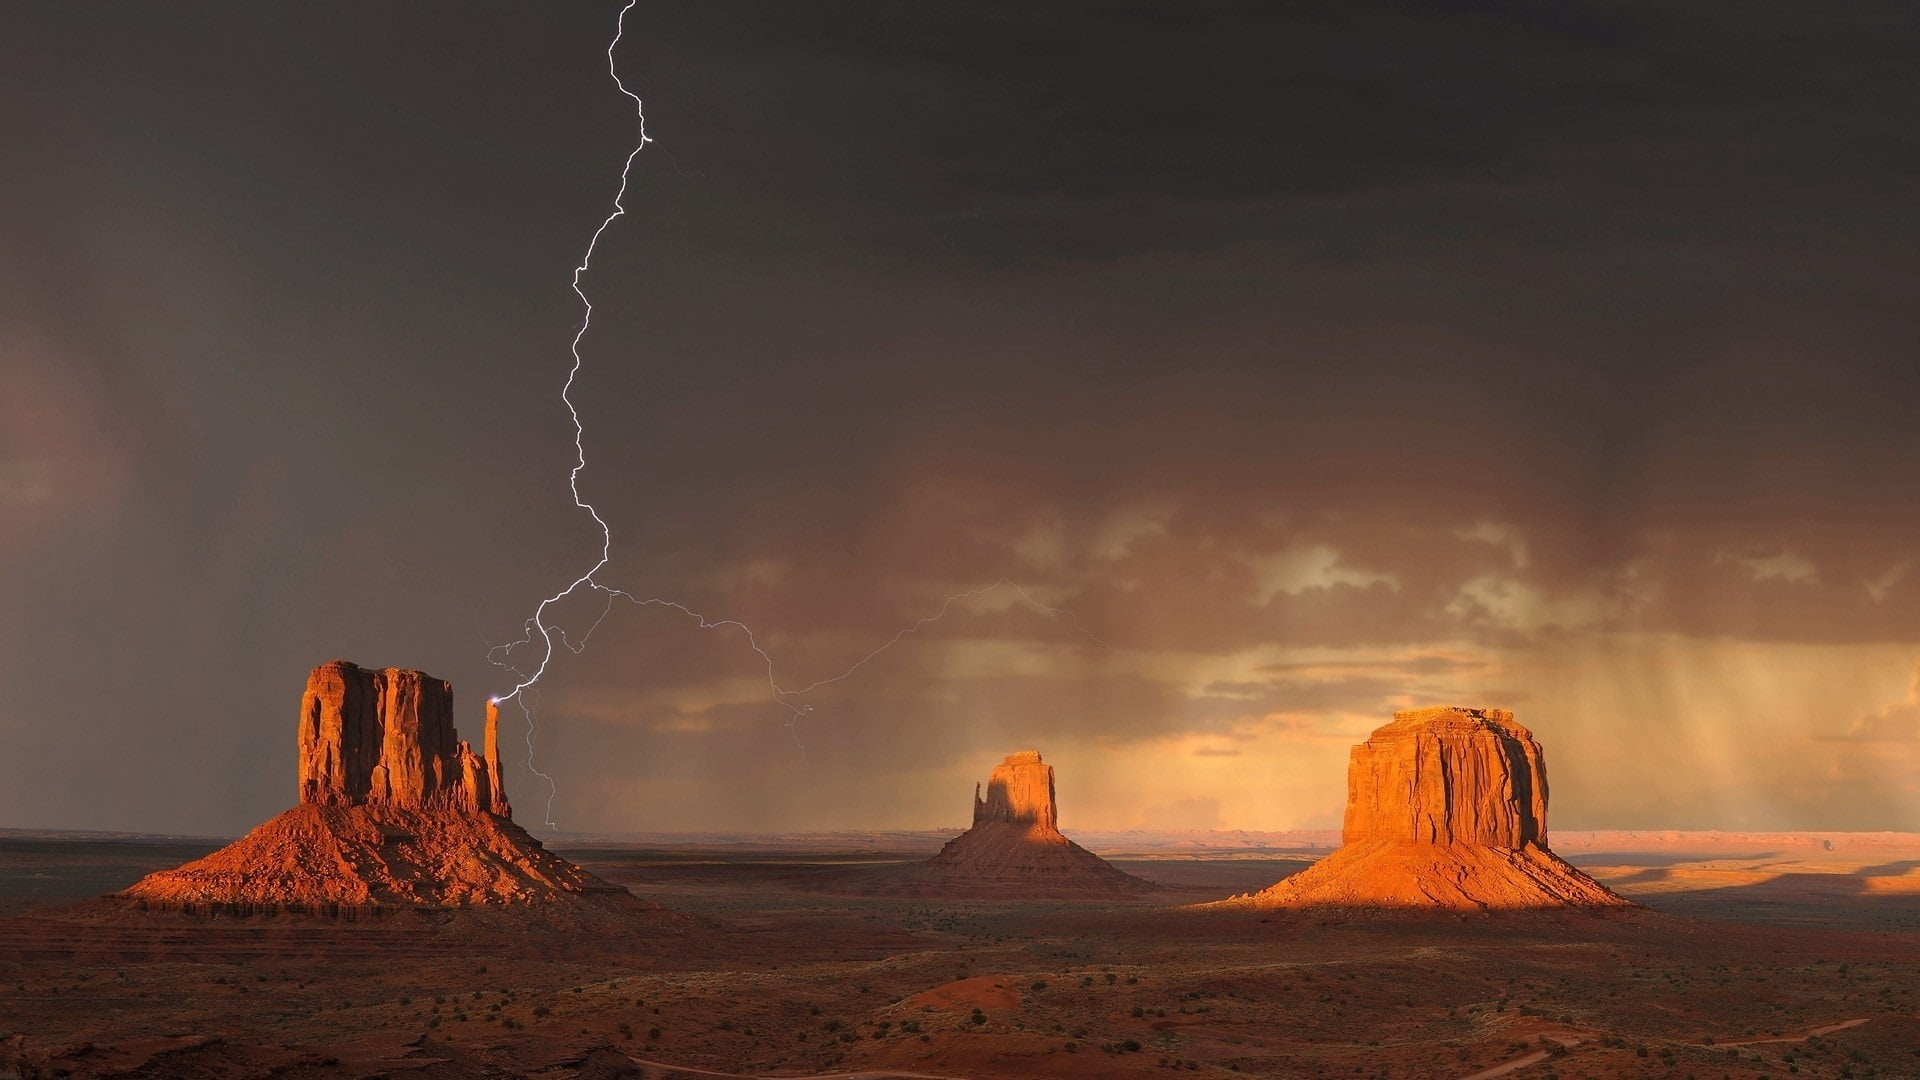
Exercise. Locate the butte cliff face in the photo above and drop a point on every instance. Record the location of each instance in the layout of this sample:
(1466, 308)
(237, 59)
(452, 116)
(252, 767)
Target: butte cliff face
(1446, 808)
(386, 737)
(1016, 841)
(395, 811)
(1448, 775)
(1019, 793)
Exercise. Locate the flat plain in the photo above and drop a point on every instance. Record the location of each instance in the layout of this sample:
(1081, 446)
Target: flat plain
(1751, 956)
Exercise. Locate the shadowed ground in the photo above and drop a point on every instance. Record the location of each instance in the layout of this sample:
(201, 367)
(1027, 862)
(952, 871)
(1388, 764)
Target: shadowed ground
(783, 971)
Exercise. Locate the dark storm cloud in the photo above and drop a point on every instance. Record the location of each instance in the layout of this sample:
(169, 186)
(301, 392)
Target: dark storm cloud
(1438, 333)
(1103, 130)
(1106, 130)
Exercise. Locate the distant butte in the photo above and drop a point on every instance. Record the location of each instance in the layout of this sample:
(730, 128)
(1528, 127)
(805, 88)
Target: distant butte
(1015, 844)
(395, 811)
(1447, 809)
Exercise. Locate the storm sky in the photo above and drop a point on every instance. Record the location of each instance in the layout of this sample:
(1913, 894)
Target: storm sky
(1321, 358)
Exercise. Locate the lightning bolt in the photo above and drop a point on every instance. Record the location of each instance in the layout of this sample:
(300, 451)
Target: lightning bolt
(539, 631)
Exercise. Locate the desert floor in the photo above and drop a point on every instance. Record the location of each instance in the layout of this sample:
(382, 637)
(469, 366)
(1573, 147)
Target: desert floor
(1758, 960)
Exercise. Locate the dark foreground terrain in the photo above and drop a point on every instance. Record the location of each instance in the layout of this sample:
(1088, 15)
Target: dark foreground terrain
(1754, 963)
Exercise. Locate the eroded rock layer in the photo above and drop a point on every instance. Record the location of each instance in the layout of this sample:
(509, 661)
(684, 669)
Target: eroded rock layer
(1019, 792)
(386, 737)
(1446, 808)
(1436, 776)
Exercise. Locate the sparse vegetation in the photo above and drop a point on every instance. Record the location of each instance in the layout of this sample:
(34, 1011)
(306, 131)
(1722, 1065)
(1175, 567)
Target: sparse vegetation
(824, 1008)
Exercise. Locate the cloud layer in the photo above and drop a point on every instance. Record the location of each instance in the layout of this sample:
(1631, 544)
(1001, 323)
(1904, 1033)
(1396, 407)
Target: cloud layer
(1320, 361)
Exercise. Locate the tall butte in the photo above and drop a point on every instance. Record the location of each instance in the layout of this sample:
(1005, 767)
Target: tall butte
(395, 811)
(1446, 808)
(1016, 840)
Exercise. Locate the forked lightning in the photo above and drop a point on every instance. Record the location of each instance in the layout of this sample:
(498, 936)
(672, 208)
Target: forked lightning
(539, 631)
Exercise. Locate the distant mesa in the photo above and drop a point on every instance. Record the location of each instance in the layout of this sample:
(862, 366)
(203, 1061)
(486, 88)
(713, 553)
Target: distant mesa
(1446, 808)
(1016, 841)
(395, 811)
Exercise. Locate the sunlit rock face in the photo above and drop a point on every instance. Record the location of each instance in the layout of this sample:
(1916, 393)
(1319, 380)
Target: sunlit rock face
(386, 737)
(1016, 839)
(1020, 792)
(1446, 808)
(1437, 776)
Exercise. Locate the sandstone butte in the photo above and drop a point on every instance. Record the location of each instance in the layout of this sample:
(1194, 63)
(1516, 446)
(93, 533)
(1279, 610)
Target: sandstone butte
(1446, 808)
(1016, 839)
(395, 811)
